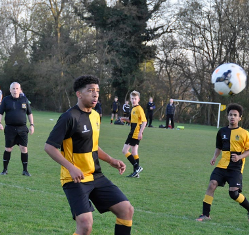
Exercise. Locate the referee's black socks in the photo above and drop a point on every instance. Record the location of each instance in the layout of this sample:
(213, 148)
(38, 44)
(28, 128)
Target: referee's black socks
(6, 159)
(24, 158)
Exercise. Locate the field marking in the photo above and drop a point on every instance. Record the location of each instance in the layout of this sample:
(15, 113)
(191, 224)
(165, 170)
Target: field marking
(32, 190)
(190, 219)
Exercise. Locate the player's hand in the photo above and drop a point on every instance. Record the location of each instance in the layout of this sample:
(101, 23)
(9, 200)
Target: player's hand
(140, 136)
(212, 162)
(31, 130)
(1, 126)
(76, 174)
(235, 157)
(119, 165)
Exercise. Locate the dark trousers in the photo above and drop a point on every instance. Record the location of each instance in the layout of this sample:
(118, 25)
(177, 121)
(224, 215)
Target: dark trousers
(149, 118)
(171, 117)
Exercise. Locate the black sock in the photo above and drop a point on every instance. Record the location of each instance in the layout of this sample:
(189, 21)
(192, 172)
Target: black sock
(133, 161)
(137, 161)
(122, 230)
(24, 158)
(206, 209)
(6, 159)
(245, 204)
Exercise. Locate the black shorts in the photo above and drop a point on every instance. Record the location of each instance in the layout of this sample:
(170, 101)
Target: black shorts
(102, 193)
(233, 178)
(126, 114)
(115, 112)
(132, 142)
(16, 135)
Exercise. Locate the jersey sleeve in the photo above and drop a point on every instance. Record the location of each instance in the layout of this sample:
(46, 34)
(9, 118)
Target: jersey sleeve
(142, 115)
(2, 106)
(218, 140)
(28, 107)
(61, 130)
(247, 141)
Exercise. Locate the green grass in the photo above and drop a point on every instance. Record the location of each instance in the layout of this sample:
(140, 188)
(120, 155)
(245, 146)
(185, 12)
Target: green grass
(167, 197)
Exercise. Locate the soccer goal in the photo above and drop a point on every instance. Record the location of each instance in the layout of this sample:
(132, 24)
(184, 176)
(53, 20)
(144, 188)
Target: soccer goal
(202, 102)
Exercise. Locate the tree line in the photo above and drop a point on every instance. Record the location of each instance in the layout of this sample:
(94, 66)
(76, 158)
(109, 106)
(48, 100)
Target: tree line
(161, 48)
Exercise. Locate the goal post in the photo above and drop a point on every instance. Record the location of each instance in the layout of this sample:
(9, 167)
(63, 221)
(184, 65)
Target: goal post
(202, 102)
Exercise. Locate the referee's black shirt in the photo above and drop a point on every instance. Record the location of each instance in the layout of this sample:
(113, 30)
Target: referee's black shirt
(15, 110)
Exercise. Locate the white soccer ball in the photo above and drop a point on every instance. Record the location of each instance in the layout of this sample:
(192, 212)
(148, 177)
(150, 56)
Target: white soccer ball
(229, 79)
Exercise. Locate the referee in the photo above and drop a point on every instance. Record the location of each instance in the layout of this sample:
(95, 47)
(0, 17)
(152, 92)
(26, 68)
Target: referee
(16, 107)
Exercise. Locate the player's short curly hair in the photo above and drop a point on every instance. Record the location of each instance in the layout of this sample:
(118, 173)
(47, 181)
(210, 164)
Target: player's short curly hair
(235, 106)
(84, 80)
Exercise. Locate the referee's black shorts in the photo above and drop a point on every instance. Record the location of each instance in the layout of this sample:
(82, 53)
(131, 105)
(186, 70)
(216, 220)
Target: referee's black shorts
(102, 193)
(16, 135)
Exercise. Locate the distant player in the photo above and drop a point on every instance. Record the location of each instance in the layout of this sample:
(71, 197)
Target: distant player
(150, 109)
(138, 123)
(233, 142)
(115, 109)
(126, 110)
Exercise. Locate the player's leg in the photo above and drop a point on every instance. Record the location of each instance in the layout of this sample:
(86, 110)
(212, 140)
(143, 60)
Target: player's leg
(6, 159)
(10, 135)
(128, 155)
(172, 121)
(207, 201)
(124, 212)
(81, 207)
(84, 223)
(235, 189)
(116, 116)
(108, 197)
(167, 121)
(112, 115)
(134, 152)
(22, 140)
(24, 159)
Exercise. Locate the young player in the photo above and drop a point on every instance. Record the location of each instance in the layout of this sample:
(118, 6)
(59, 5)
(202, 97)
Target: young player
(233, 142)
(138, 123)
(76, 133)
(115, 109)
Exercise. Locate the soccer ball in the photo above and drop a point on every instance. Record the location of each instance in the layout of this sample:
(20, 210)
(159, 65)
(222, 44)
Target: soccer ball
(229, 79)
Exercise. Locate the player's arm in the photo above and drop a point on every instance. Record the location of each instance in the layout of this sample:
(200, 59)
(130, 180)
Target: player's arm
(235, 157)
(216, 154)
(1, 126)
(55, 154)
(140, 134)
(31, 121)
(112, 161)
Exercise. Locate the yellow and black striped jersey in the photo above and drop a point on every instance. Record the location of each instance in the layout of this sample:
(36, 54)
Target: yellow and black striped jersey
(77, 133)
(137, 117)
(232, 141)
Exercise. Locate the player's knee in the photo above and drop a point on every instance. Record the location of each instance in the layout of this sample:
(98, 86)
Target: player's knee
(212, 185)
(234, 194)
(129, 211)
(84, 223)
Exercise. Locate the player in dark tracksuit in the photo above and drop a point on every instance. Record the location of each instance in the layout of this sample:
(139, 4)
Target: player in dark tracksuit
(150, 109)
(170, 112)
(115, 109)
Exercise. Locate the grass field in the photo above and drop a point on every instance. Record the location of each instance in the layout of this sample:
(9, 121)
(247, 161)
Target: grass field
(167, 197)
